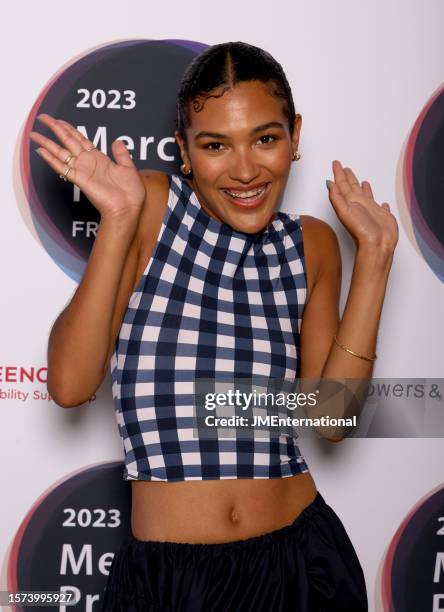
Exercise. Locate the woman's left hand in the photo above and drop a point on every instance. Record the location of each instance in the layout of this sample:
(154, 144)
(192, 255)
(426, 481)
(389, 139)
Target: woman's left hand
(369, 223)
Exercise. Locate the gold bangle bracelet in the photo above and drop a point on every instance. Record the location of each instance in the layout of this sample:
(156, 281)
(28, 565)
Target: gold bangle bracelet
(353, 353)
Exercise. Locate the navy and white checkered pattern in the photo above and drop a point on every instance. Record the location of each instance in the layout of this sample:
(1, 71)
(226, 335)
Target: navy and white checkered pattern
(212, 301)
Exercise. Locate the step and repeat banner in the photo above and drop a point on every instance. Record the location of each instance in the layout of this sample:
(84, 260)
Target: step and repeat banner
(369, 83)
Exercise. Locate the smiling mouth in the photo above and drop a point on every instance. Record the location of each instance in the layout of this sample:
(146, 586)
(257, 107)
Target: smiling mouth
(247, 198)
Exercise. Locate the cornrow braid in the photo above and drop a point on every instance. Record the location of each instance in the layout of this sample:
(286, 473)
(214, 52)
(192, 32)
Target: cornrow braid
(219, 69)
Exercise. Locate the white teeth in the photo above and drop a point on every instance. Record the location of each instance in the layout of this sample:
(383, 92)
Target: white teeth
(243, 195)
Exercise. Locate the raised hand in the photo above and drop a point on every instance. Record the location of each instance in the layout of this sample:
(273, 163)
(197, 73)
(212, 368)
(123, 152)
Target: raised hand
(368, 222)
(114, 188)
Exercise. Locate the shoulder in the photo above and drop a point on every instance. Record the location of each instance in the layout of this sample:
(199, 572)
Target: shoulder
(321, 250)
(317, 228)
(156, 185)
(155, 203)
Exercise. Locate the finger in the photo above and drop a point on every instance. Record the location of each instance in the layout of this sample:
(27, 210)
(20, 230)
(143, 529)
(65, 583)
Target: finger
(57, 165)
(86, 144)
(336, 197)
(367, 190)
(341, 180)
(352, 180)
(121, 154)
(56, 150)
(68, 141)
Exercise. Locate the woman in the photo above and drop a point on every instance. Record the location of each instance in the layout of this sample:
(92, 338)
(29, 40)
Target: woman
(199, 276)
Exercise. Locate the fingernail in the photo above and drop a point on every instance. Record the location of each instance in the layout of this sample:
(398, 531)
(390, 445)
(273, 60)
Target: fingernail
(38, 152)
(39, 117)
(327, 182)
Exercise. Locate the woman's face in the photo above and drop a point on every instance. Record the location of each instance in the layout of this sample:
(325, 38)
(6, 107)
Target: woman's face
(240, 150)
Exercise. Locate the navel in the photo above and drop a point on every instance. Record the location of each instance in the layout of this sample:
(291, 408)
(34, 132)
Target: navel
(234, 516)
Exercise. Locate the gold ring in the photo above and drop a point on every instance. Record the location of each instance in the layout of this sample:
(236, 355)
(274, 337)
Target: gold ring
(91, 149)
(65, 174)
(68, 159)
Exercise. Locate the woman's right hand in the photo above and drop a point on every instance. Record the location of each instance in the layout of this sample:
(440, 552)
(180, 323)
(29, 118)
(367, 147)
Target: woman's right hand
(116, 189)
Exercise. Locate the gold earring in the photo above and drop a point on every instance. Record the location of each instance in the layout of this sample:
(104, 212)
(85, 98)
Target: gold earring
(184, 170)
(296, 156)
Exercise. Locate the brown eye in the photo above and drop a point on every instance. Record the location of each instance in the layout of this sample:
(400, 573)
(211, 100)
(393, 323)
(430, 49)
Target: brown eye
(214, 146)
(266, 139)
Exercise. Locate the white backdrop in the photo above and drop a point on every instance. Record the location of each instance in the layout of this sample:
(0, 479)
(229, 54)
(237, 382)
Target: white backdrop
(360, 74)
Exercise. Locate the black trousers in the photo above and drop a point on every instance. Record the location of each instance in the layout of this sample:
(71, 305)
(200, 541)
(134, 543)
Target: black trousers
(308, 566)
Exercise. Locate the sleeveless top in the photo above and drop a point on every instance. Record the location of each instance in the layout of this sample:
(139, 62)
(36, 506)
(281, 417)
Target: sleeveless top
(212, 301)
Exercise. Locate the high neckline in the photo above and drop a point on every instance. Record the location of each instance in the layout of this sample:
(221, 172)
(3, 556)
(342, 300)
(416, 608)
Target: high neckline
(217, 226)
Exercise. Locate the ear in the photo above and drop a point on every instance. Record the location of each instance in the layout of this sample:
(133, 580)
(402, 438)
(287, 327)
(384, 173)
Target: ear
(296, 132)
(183, 148)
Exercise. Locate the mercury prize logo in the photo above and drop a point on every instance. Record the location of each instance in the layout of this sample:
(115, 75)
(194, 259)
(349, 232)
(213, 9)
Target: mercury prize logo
(420, 183)
(125, 90)
(68, 539)
(411, 575)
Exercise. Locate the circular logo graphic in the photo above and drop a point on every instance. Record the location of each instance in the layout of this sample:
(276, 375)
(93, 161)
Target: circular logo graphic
(67, 541)
(420, 183)
(127, 91)
(412, 575)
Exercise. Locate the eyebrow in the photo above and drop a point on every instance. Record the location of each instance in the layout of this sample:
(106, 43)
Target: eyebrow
(258, 128)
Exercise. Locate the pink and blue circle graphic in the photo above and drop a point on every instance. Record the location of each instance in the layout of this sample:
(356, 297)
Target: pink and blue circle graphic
(412, 574)
(67, 540)
(124, 90)
(422, 181)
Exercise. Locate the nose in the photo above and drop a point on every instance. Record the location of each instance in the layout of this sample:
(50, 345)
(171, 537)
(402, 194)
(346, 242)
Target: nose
(243, 167)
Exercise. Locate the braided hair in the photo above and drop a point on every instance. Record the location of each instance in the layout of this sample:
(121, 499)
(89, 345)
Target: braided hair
(219, 69)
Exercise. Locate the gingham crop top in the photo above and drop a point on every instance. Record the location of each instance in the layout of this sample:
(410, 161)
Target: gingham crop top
(212, 300)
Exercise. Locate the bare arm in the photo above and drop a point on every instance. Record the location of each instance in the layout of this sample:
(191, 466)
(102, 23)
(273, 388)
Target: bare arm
(321, 357)
(79, 343)
(84, 336)
(359, 325)
(375, 233)
(80, 339)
